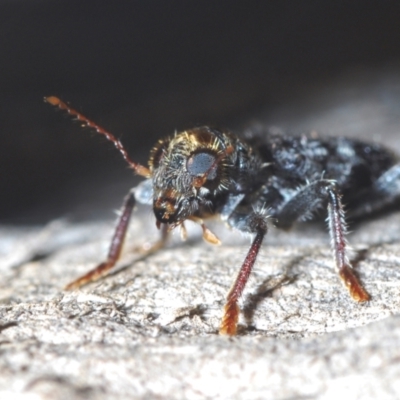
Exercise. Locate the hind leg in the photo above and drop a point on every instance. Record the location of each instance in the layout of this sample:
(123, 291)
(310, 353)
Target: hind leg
(384, 192)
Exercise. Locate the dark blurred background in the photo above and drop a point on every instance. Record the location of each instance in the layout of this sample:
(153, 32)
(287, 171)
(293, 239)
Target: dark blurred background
(145, 68)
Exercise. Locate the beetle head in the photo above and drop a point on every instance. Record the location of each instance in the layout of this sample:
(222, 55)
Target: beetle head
(188, 171)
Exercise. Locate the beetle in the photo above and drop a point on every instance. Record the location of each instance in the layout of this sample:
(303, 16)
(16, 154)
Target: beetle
(251, 181)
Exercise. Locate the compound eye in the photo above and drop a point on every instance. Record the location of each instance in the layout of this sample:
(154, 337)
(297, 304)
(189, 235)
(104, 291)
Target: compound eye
(202, 163)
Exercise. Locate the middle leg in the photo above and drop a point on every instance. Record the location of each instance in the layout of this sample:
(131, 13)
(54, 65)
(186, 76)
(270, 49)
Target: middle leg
(307, 201)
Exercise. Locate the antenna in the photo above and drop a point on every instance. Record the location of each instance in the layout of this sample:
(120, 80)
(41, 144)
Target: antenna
(139, 169)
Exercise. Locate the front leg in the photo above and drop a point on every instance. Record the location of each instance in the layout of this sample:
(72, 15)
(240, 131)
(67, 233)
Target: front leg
(255, 222)
(308, 200)
(116, 245)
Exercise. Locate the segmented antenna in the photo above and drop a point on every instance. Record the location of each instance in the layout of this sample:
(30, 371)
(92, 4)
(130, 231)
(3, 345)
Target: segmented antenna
(139, 169)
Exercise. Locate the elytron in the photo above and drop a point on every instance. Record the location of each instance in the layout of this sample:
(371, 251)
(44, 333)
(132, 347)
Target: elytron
(251, 182)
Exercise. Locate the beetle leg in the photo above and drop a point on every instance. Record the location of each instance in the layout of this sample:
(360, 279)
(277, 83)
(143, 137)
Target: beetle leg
(255, 223)
(114, 252)
(303, 204)
(116, 245)
(384, 192)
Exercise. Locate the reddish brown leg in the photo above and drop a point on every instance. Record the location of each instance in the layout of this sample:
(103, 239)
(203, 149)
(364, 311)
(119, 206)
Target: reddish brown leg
(305, 202)
(337, 229)
(115, 247)
(231, 311)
